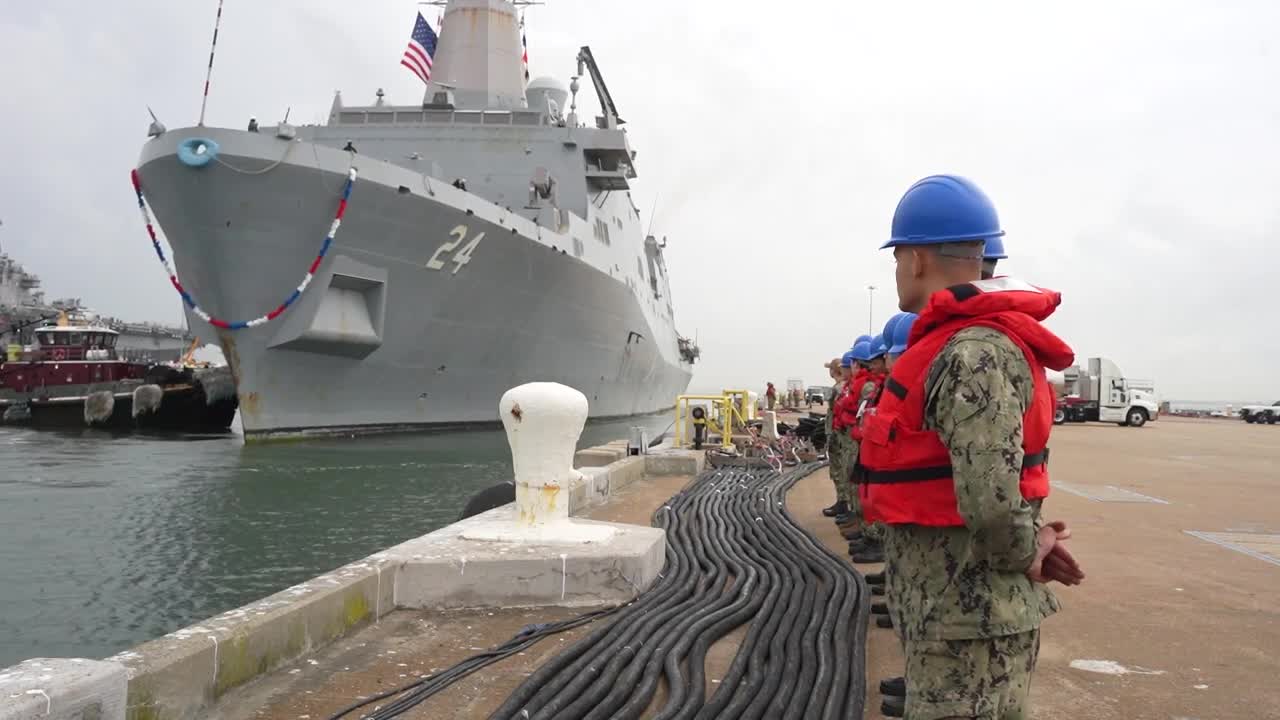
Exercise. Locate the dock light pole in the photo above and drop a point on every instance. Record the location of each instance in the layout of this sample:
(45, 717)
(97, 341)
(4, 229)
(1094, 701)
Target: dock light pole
(871, 299)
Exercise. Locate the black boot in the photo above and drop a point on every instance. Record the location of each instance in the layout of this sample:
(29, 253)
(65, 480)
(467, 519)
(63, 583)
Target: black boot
(877, 590)
(883, 621)
(875, 578)
(897, 687)
(893, 706)
(871, 552)
(841, 507)
(879, 608)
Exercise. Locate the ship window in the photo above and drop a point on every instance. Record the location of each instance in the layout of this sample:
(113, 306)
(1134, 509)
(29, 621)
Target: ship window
(602, 231)
(351, 118)
(577, 248)
(111, 341)
(408, 117)
(382, 117)
(46, 338)
(76, 339)
(466, 117)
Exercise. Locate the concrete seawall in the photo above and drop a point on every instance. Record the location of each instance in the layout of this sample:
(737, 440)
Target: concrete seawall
(185, 672)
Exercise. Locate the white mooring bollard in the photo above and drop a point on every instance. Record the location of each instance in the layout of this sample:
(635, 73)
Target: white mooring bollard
(543, 421)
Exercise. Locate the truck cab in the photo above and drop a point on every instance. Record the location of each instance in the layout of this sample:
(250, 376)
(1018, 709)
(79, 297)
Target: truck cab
(1128, 404)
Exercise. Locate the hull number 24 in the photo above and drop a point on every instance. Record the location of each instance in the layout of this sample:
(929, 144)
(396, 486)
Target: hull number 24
(461, 257)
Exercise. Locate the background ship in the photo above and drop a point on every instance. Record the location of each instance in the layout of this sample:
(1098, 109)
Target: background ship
(23, 308)
(490, 239)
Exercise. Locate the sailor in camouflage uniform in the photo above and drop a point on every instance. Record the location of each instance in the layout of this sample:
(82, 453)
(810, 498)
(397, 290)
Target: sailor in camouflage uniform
(838, 445)
(956, 464)
(865, 546)
(841, 505)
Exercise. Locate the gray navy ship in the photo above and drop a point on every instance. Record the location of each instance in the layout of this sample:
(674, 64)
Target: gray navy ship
(490, 239)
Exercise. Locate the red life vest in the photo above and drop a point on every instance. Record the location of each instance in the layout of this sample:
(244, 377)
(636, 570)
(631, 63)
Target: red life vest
(877, 379)
(906, 468)
(845, 411)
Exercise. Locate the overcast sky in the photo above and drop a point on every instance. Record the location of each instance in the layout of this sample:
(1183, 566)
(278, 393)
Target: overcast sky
(1133, 151)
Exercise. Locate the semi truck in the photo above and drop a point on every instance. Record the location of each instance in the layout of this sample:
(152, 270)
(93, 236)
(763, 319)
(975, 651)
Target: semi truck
(1099, 392)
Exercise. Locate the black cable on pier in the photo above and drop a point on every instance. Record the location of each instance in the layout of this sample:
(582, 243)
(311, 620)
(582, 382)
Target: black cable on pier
(735, 557)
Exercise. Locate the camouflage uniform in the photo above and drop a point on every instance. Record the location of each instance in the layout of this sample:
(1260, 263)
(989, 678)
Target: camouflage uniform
(959, 595)
(834, 450)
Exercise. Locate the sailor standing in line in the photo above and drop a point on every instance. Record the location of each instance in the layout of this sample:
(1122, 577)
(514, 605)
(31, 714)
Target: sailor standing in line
(956, 463)
(865, 546)
(841, 504)
(894, 690)
(845, 410)
(837, 443)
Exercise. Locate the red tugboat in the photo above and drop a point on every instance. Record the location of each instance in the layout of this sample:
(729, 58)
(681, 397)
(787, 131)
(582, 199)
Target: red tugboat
(72, 377)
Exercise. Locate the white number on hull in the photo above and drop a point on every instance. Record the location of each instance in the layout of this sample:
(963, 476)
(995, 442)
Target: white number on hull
(462, 257)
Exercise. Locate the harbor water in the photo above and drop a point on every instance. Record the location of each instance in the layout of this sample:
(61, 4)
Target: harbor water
(109, 541)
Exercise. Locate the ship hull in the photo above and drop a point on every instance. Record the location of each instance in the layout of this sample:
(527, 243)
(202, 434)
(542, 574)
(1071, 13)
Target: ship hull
(396, 331)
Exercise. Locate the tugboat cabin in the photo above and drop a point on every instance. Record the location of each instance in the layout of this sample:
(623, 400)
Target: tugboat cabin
(68, 354)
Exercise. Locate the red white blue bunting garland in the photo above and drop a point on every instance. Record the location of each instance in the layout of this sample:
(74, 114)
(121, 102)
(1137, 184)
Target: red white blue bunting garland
(297, 292)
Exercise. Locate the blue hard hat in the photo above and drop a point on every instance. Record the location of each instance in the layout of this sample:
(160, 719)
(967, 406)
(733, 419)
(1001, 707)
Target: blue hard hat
(941, 209)
(846, 360)
(994, 249)
(902, 332)
(887, 333)
(878, 347)
(862, 350)
(862, 338)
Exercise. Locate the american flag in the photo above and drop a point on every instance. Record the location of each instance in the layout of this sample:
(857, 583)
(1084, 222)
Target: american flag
(422, 45)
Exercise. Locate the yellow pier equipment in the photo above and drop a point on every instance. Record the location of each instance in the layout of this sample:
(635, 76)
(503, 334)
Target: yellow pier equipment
(729, 410)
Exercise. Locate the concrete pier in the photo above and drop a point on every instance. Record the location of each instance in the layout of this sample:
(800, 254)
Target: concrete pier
(1167, 625)
(1177, 525)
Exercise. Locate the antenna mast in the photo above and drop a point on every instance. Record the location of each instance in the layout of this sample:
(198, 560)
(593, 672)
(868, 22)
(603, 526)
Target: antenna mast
(217, 23)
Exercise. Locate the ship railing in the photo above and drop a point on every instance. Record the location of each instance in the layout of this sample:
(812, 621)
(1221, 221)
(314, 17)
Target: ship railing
(428, 116)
